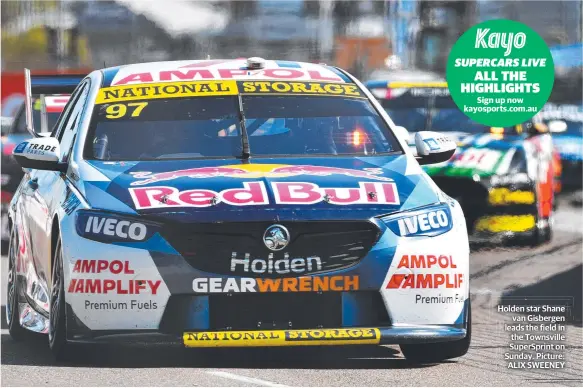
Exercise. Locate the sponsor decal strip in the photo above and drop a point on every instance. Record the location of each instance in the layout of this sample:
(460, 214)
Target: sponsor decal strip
(254, 193)
(431, 222)
(426, 279)
(166, 90)
(358, 336)
(187, 73)
(503, 196)
(302, 284)
(223, 88)
(91, 285)
(311, 88)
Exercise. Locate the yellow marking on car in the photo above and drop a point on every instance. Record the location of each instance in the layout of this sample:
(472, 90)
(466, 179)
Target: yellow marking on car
(503, 196)
(166, 90)
(352, 336)
(505, 223)
(311, 88)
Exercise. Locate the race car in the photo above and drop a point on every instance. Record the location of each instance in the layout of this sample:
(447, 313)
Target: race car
(505, 179)
(565, 122)
(16, 133)
(233, 203)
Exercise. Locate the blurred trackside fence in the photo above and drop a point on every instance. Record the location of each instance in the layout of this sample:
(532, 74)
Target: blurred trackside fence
(357, 35)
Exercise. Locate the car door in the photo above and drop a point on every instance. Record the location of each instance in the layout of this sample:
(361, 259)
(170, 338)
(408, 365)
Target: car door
(47, 189)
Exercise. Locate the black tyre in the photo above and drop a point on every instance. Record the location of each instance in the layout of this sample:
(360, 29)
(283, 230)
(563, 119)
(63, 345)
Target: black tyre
(16, 331)
(57, 316)
(436, 352)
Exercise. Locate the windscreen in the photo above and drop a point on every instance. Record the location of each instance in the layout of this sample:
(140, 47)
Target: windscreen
(54, 107)
(280, 118)
(428, 109)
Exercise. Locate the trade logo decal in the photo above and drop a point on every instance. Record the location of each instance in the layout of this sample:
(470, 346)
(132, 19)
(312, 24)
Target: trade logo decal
(20, 148)
(356, 336)
(257, 171)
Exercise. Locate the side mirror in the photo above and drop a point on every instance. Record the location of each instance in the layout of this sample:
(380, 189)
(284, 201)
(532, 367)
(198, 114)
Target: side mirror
(40, 153)
(557, 126)
(402, 134)
(433, 147)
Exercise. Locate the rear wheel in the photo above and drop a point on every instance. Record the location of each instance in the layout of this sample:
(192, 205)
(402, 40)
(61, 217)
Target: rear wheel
(57, 319)
(436, 352)
(16, 331)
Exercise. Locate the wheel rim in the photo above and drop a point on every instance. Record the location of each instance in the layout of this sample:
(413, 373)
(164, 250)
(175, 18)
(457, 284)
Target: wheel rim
(11, 287)
(55, 303)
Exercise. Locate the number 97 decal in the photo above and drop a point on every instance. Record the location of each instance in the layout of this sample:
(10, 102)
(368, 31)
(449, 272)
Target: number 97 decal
(117, 111)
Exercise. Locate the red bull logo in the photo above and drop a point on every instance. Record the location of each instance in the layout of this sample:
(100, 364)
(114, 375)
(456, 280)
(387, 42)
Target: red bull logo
(257, 171)
(255, 193)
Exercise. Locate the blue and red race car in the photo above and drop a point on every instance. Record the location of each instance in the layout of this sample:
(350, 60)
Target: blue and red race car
(236, 203)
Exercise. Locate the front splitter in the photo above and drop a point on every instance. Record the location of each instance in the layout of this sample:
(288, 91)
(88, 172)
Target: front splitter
(323, 337)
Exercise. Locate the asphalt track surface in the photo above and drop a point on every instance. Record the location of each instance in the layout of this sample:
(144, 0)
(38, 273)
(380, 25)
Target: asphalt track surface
(552, 270)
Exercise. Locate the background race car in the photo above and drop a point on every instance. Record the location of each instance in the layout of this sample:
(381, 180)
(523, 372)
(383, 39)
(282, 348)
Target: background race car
(504, 178)
(565, 122)
(41, 88)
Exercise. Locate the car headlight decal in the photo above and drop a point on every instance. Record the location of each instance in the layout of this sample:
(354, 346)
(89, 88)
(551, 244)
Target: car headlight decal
(109, 227)
(428, 221)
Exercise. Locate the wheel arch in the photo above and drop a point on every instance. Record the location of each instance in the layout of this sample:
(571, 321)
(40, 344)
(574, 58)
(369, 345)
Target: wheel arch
(55, 233)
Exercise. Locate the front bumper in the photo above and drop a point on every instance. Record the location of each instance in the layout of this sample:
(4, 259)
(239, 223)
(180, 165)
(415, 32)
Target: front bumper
(410, 289)
(414, 334)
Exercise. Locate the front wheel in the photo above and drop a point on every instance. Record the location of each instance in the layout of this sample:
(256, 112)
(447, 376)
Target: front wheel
(57, 319)
(17, 332)
(436, 352)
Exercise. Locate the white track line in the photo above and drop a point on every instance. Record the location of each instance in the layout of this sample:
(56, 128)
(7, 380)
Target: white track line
(250, 380)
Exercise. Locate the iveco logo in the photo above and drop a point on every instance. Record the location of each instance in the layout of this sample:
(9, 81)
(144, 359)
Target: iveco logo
(276, 237)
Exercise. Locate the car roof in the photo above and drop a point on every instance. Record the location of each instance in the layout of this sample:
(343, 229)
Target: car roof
(221, 69)
(406, 84)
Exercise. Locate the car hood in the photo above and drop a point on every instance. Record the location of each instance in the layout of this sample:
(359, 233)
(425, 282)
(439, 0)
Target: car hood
(477, 156)
(570, 146)
(263, 189)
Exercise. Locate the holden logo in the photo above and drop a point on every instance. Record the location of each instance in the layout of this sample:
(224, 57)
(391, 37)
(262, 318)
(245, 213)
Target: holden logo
(276, 237)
